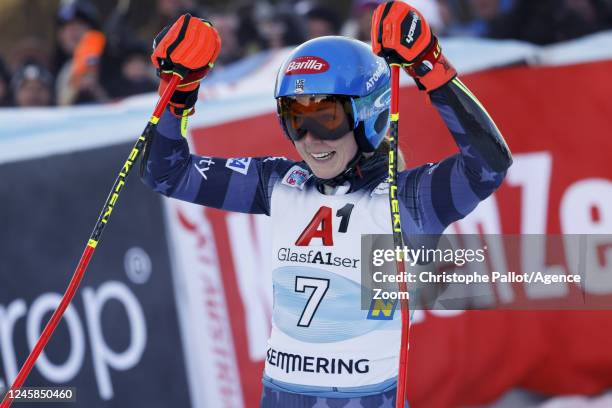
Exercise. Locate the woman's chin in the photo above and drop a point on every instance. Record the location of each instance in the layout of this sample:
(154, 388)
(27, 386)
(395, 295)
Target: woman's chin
(324, 173)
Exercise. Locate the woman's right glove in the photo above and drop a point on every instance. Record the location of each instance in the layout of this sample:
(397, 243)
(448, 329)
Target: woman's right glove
(402, 36)
(189, 48)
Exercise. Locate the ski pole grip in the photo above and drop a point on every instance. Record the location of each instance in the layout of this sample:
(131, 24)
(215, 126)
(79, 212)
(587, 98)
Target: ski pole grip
(165, 98)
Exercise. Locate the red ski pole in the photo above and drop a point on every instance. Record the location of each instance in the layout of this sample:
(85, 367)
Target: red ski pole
(103, 218)
(398, 240)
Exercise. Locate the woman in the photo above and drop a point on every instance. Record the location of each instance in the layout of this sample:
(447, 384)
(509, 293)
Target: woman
(333, 104)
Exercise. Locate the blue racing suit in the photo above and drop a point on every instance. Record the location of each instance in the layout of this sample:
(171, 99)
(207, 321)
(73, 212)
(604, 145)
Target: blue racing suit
(324, 351)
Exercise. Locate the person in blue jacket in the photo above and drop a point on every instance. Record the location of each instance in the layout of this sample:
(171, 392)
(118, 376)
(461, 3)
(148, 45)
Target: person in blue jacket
(333, 97)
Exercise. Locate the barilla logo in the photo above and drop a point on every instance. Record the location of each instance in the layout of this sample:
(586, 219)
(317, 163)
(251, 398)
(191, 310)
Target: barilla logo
(307, 65)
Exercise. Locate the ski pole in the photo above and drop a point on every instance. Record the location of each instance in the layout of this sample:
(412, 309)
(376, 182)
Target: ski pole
(398, 240)
(92, 243)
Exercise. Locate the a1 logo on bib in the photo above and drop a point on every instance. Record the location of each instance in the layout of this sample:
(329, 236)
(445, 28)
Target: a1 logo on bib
(320, 226)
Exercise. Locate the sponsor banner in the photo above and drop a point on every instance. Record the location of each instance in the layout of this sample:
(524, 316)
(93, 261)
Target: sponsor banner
(225, 299)
(207, 310)
(118, 344)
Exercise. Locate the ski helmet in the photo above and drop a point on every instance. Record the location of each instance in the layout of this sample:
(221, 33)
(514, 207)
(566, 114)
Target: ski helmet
(342, 66)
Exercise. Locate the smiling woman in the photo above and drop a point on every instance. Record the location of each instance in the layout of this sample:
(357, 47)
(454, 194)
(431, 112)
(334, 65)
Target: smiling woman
(333, 104)
(327, 158)
(335, 109)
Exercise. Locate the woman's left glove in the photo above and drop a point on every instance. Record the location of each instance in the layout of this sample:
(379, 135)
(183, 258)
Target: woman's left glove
(402, 36)
(190, 48)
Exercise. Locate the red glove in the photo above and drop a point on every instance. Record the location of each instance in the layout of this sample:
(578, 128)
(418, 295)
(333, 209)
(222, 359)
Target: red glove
(189, 48)
(402, 36)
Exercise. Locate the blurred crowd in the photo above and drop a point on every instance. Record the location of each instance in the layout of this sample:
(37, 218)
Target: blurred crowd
(99, 58)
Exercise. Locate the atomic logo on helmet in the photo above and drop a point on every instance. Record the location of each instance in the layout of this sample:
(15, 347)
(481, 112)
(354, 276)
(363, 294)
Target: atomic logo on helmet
(376, 75)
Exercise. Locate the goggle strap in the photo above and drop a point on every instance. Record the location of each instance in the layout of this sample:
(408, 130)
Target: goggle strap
(355, 112)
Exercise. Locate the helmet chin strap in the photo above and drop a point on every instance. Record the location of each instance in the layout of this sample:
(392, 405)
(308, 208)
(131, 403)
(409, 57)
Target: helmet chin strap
(347, 175)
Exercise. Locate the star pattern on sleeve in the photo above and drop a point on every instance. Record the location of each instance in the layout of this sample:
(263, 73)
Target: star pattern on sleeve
(486, 175)
(465, 151)
(387, 402)
(176, 155)
(162, 187)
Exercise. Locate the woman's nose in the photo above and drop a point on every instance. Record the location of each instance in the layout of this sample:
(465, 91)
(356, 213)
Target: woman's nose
(311, 139)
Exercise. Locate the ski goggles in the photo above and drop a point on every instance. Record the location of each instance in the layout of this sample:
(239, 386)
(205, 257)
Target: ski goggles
(326, 117)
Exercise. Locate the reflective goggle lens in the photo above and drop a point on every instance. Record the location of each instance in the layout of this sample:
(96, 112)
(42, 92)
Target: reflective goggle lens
(327, 117)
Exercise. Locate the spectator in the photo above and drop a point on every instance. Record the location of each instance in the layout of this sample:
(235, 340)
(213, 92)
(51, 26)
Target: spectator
(171, 9)
(136, 75)
(362, 12)
(248, 33)
(473, 17)
(30, 49)
(5, 81)
(549, 21)
(282, 29)
(322, 21)
(227, 26)
(74, 19)
(32, 85)
(487, 9)
(167, 11)
(78, 82)
(82, 48)
(125, 68)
